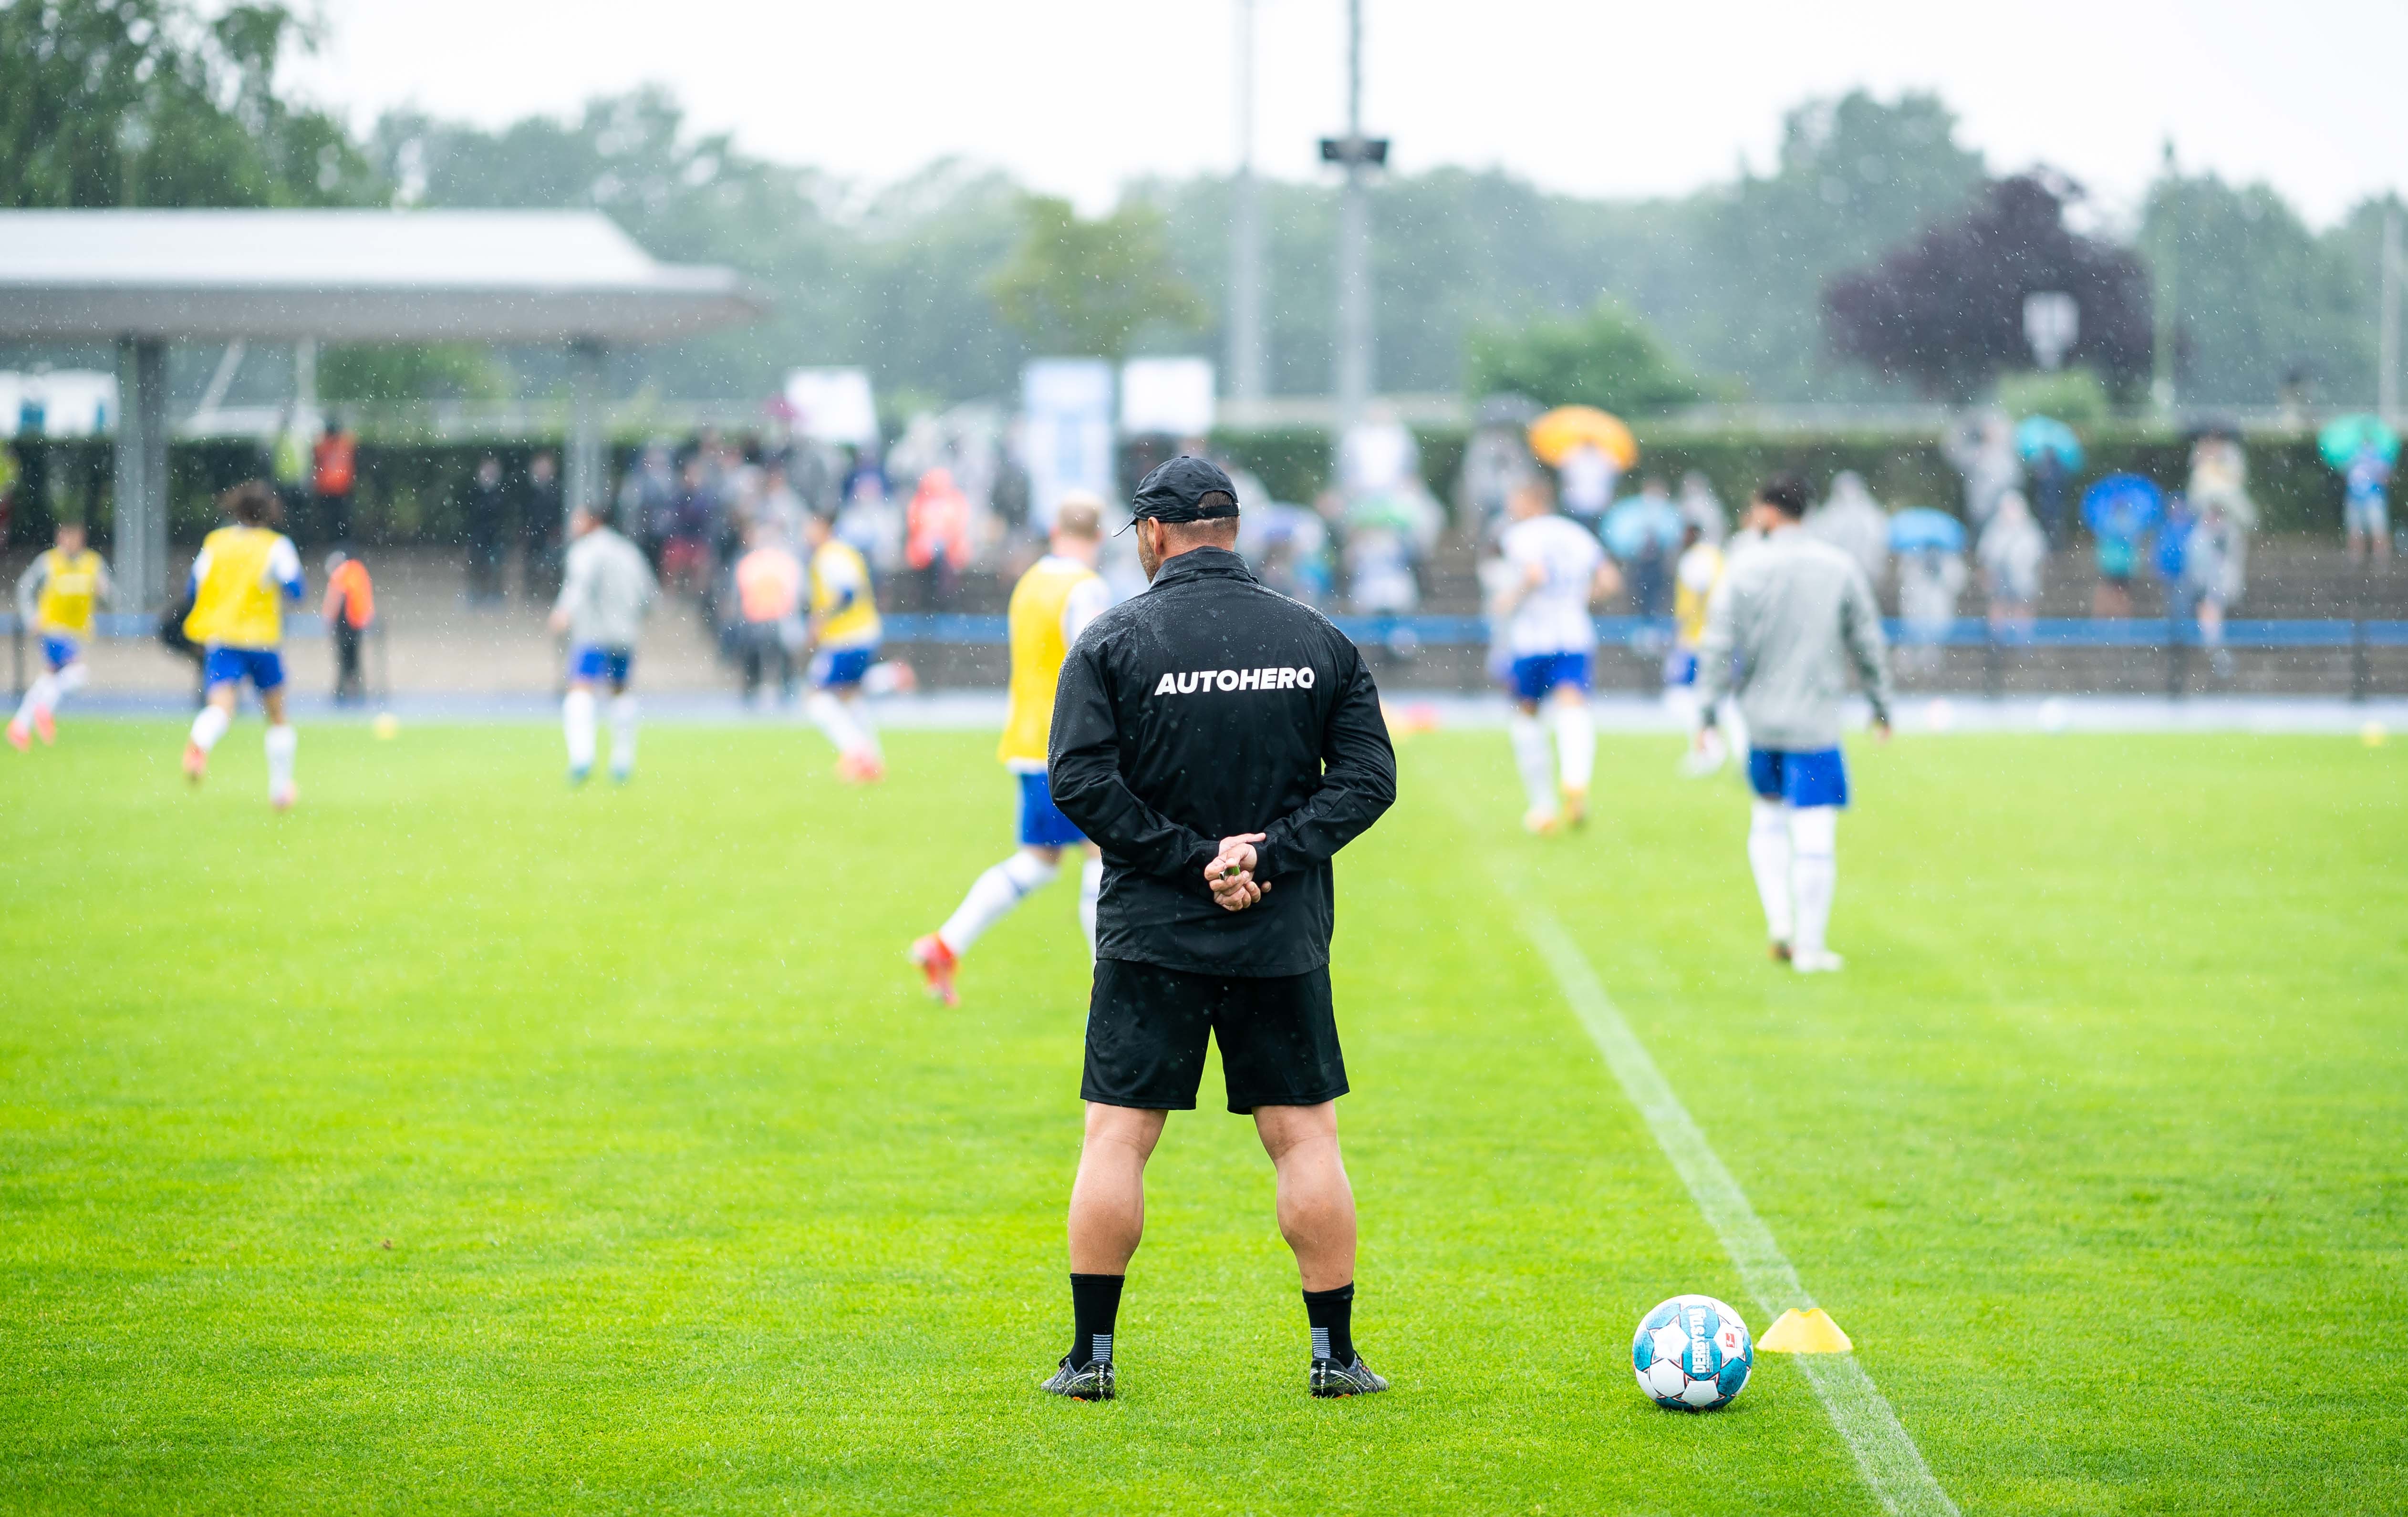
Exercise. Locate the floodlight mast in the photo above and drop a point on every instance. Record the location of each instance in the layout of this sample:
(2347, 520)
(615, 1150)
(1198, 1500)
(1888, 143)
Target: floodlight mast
(1358, 154)
(1245, 230)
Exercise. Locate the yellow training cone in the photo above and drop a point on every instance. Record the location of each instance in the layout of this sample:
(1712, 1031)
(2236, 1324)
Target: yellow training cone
(1811, 1331)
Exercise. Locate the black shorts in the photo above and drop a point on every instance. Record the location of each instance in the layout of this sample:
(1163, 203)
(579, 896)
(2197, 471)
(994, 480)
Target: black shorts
(1147, 1025)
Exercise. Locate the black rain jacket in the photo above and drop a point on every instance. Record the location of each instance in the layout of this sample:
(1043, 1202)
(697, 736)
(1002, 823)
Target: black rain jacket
(1208, 706)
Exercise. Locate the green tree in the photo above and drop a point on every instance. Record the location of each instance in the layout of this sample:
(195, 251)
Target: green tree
(2257, 297)
(148, 102)
(1075, 286)
(1605, 357)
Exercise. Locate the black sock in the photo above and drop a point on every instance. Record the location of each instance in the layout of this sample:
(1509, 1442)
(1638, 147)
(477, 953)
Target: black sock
(1332, 1316)
(1094, 1301)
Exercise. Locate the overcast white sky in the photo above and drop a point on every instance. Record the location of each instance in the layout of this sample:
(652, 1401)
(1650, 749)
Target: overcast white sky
(1077, 95)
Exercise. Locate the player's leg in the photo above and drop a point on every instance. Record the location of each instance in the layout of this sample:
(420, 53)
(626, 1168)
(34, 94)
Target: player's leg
(42, 695)
(1768, 850)
(624, 713)
(1814, 833)
(1316, 1216)
(1575, 741)
(1106, 1221)
(1531, 760)
(220, 676)
(577, 728)
(992, 897)
(282, 743)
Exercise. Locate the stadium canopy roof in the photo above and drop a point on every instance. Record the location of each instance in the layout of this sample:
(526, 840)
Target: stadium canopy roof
(348, 276)
(144, 279)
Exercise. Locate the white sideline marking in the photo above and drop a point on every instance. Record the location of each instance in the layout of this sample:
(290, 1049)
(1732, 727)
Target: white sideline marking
(1892, 1465)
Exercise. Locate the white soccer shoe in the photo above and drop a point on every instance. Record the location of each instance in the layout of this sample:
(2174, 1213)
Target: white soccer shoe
(1822, 962)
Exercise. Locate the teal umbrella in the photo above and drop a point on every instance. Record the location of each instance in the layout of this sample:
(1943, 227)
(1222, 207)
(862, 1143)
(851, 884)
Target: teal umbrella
(2343, 440)
(2038, 435)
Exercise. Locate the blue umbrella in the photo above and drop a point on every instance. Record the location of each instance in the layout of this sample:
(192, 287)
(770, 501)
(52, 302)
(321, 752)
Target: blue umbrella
(2342, 442)
(1631, 526)
(2123, 507)
(1919, 527)
(2038, 435)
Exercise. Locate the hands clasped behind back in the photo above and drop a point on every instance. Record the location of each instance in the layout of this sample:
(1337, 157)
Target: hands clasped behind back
(1231, 873)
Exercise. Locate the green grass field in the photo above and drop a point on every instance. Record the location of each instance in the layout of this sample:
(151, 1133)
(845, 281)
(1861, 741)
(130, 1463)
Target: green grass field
(460, 1143)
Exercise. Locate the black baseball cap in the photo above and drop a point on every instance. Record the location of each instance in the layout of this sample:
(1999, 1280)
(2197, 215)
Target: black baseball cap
(1175, 491)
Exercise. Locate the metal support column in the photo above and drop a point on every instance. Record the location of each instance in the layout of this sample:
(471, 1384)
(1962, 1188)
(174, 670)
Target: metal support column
(1245, 231)
(1354, 356)
(2386, 341)
(138, 527)
(585, 482)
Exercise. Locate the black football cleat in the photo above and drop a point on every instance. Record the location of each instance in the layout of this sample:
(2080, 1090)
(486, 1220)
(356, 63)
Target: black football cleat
(1090, 1381)
(1330, 1377)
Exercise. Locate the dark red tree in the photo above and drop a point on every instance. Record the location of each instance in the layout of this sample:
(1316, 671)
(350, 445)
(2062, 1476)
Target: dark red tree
(1947, 310)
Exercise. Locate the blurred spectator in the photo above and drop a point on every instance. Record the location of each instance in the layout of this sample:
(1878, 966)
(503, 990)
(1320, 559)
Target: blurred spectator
(348, 609)
(1496, 463)
(334, 472)
(1587, 478)
(1929, 580)
(1644, 534)
(770, 599)
(2365, 514)
(542, 514)
(2201, 586)
(289, 462)
(2011, 551)
(937, 539)
(1702, 507)
(1853, 522)
(484, 514)
(868, 521)
(2049, 478)
(1288, 549)
(647, 497)
(1983, 449)
(2219, 485)
(1378, 456)
(685, 551)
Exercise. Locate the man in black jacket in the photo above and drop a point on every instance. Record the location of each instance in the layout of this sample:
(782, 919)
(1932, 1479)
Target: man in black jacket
(1220, 743)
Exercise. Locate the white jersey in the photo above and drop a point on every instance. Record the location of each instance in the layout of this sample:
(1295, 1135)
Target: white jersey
(1553, 615)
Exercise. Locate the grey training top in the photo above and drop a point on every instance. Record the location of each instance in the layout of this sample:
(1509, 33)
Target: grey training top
(606, 590)
(1796, 612)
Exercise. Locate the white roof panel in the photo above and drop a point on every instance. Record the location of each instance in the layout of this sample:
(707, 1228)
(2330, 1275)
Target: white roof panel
(360, 275)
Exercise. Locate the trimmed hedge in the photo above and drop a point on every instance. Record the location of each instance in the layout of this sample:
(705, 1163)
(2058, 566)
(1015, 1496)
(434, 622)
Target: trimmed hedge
(409, 491)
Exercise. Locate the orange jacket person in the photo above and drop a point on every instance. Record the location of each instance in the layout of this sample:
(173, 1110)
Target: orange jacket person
(349, 607)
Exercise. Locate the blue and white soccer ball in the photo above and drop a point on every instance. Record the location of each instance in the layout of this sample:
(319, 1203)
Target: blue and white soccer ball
(1692, 1353)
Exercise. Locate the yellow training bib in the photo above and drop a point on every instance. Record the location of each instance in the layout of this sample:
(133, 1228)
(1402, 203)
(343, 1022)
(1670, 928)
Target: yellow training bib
(1038, 650)
(68, 592)
(836, 568)
(237, 606)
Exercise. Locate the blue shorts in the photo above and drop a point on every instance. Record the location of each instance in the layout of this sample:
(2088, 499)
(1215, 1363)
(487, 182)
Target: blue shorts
(1815, 778)
(1538, 675)
(595, 664)
(840, 668)
(1042, 822)
(60, 651)
(1681, 666)
(262, 666)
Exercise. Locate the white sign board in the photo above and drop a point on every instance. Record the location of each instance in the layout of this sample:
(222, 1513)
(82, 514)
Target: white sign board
(1067, 431)
(833, 405)
(1172, 396)
(61, 403)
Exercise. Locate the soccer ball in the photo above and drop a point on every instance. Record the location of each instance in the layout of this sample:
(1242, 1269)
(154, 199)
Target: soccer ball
(1692, 1353)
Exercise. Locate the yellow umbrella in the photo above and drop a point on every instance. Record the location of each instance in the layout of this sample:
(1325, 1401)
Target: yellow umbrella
(1554, 436)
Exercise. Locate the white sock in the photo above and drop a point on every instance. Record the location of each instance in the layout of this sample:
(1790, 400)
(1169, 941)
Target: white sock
(1091, 887)
(281, 742)
(1575, 743)
(622, 737)
(576, 725)
(209, 726)
(70, 680)
(992, 897)
(830, 716)
(1531, 757)
(41, 696)
(1768, 855)
(858, 710)
(1814, 867)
